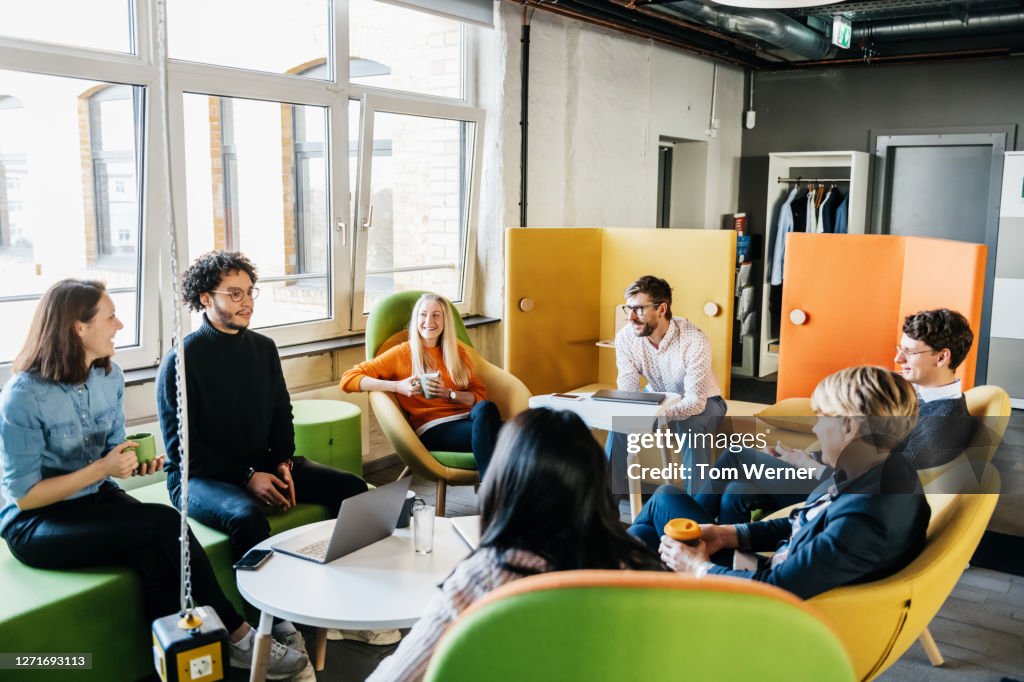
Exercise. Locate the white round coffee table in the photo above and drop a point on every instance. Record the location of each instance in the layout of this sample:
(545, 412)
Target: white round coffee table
(383, 586)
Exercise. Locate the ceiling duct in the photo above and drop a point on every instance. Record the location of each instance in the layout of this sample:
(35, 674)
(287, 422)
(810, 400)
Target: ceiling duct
(771, 27)
(909, 29)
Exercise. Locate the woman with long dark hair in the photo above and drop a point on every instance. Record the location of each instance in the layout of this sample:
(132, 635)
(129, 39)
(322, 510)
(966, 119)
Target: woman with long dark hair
(545, 505)
(62, 440)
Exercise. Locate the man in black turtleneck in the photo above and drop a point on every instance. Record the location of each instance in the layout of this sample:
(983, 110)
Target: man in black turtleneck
(241, 439)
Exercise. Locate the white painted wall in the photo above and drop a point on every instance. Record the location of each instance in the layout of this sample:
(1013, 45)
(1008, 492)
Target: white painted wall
(598, 102)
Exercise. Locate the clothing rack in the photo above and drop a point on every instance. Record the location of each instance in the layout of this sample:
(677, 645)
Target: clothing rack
(781, 179)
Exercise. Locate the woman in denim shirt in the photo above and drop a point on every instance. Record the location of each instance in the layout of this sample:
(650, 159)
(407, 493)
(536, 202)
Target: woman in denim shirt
(61, 441)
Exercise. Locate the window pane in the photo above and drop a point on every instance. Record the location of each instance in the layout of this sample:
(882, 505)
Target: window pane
(418, 184)
(402, 49)
(69, 188)
(256, 182)
(277, 36)
(99, 24)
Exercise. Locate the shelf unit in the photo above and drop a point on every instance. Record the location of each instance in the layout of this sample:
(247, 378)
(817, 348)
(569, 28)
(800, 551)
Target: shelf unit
(809, 166)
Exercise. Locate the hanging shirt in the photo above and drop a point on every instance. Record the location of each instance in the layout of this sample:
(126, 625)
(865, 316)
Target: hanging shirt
(842, 217)
(784, 227)
(819, 218)
(812, 213)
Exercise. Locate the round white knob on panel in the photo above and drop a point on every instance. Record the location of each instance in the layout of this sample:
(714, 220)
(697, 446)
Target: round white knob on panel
(797, 316)
(711, 309)
(526, 304)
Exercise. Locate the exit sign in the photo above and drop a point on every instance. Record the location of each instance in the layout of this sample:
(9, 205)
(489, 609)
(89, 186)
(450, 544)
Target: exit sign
(842, 30)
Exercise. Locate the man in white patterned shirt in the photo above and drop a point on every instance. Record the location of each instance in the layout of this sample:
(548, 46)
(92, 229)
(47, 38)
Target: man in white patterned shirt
(674, 356)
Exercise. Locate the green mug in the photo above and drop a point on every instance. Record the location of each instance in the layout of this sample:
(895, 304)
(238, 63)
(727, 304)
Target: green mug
(145, 451)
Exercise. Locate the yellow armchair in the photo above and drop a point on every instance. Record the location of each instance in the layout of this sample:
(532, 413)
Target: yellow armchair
(879, 621)
(387, 327)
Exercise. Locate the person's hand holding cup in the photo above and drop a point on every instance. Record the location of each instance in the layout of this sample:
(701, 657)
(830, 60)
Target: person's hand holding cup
(145, 453)
(430, 384)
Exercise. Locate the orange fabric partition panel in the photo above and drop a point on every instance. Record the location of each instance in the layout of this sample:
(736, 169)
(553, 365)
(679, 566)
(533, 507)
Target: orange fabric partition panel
(849, 287)
(551, 347)
(700, 267)
(855, 290)
(939, 273)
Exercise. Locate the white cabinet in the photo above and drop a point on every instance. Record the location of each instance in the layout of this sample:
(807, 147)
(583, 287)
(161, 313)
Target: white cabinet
(853, 169)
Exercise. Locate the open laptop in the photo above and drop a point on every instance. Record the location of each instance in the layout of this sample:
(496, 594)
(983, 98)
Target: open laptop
(629, 396)
(362, 520)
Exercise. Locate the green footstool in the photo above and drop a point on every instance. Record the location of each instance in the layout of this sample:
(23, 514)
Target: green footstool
(329, 432)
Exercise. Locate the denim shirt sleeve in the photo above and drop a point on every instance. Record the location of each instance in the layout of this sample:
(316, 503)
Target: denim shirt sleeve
(116, 434)
(22, 440)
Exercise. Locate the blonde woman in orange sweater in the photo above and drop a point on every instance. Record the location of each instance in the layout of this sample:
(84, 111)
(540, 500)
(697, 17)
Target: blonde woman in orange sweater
(456, 416)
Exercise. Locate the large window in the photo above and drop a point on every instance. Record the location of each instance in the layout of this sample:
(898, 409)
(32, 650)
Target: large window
(329, 140)
(69, 176)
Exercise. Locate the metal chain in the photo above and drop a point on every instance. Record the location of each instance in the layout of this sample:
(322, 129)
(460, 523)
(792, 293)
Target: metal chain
(181, 395)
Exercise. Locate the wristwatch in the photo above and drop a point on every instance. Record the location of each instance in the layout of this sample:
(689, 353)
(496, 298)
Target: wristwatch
(451, 395)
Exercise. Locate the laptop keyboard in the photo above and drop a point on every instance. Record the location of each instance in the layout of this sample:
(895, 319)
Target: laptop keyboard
(317, 550)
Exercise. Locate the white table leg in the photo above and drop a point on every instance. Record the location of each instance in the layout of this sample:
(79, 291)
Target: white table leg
(261, 654)
(635, 501)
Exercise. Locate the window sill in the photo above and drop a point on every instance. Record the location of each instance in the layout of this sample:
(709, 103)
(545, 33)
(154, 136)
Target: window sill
(136, 377)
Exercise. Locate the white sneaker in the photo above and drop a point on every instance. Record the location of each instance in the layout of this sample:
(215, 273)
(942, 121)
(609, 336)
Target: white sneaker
(372, 637)
(286, 633)
(284, 662)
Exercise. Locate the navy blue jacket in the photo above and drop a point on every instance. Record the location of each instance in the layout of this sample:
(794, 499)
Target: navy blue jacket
(874, 527)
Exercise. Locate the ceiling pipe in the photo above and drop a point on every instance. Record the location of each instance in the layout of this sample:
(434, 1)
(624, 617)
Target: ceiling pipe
(631, 29)
(909, 29)
(771, 27)
(640, 6)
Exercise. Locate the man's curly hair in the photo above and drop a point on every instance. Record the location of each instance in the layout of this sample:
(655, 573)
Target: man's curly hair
(942, 328)
(206, 272)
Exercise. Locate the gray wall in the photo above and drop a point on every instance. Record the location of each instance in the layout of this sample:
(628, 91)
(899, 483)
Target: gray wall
(839, 109)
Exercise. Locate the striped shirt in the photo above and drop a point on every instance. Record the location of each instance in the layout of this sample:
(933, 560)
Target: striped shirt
(680, 364)
(472, 579)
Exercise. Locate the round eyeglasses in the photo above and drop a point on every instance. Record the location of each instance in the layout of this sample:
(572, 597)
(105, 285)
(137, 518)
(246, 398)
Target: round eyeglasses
(237, 295)
(900, 350)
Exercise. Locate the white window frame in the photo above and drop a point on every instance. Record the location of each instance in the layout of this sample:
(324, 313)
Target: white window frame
(373, 103)
(192, 78)
(130, 69)
(346, 256)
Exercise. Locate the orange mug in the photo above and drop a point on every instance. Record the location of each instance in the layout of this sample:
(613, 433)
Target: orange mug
(686, 531)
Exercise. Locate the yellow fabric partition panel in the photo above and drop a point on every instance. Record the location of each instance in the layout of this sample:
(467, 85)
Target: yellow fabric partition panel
(845, 297)
(700, 265)
(569, 281)
(552, 297)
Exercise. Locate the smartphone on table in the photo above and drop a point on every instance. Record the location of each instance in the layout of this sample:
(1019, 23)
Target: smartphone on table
(567, 396)
(253, 559)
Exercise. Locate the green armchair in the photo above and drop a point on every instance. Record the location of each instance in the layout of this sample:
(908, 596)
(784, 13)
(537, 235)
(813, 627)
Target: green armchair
(387, 327)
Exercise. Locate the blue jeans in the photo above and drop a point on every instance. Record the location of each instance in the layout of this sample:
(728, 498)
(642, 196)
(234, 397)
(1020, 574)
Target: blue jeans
(477, 434)
(668, 502)
(731, 501)
(705, 422)
(233, 510)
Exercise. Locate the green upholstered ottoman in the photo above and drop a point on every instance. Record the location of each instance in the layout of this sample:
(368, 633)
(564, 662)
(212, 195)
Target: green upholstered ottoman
(330, 432)
(99, 610)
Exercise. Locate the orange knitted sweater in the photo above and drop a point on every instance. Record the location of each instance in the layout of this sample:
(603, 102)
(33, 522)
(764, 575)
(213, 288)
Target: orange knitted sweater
(396, 364)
